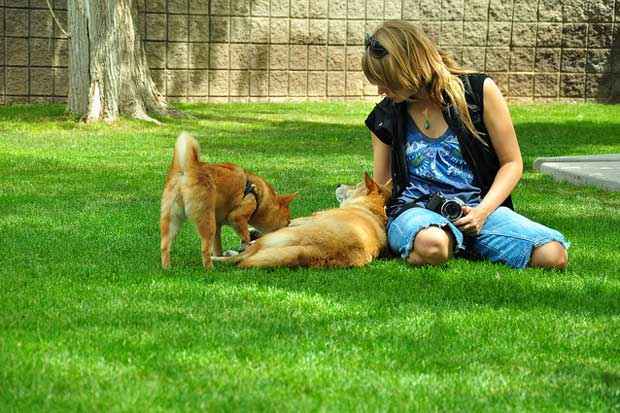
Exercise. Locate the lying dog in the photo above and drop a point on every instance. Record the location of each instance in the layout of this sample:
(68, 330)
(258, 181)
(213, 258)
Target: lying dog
(349, 236)
(213, 195)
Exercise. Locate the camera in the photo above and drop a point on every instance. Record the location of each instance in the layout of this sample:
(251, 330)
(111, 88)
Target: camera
(449, 208)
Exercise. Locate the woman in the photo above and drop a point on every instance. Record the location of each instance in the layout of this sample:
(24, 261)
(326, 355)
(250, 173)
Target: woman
(445, 134)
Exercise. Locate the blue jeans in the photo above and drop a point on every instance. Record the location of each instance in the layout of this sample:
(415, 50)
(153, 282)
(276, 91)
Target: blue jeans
(505, 237)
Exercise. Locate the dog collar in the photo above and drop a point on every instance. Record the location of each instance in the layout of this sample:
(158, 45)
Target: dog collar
(250, 188)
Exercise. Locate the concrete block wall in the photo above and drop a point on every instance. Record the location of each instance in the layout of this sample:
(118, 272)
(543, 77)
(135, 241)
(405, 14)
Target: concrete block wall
(283, 50)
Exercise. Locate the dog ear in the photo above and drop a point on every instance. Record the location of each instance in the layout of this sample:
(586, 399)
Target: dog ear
(286, 199)
(371, 185)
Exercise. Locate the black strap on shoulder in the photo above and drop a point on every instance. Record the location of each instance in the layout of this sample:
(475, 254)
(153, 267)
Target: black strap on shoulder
(250, 188)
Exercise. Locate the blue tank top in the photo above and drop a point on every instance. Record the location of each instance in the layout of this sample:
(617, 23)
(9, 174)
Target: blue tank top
(437, 165)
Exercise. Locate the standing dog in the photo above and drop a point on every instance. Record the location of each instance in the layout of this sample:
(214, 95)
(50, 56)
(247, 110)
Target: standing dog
(213, 195)
(349, 236)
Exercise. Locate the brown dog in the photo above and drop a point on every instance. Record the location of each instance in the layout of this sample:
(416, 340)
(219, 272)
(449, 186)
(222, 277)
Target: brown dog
(349, 236)
(213, 195)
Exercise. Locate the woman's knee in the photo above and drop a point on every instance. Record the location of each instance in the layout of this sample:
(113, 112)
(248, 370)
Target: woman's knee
(432, 246)
(551, 255)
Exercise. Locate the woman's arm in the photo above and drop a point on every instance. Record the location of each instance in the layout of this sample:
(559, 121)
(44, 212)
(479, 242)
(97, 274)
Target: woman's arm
(498, 122)
(381, 161)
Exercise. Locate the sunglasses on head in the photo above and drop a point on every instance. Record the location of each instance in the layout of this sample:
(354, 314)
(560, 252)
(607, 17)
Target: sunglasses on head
(376, 49)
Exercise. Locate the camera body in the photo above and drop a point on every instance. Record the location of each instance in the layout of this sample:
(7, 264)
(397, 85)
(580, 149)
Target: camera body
(449, 208)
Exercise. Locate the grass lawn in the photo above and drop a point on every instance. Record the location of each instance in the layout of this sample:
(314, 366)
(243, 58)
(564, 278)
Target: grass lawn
(89, 321)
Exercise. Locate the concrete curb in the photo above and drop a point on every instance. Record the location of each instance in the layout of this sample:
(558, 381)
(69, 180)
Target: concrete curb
(602, 171)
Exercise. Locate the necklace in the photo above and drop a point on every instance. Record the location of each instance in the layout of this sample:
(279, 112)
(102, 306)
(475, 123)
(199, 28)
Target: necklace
(427, 122)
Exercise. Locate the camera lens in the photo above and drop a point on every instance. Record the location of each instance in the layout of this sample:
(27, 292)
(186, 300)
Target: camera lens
(451, 210)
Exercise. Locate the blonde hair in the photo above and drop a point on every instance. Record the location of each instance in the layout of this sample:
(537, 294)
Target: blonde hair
(413, 63)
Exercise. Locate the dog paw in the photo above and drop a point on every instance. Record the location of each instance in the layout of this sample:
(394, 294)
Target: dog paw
(230, 253)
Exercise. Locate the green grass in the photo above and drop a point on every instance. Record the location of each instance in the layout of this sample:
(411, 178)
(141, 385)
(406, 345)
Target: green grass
(89, 321)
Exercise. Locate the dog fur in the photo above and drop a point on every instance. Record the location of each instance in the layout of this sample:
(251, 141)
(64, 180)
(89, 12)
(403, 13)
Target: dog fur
(213, 195)
(349, 236)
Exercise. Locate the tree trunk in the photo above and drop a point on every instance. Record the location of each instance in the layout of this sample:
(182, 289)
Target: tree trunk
(108, 72)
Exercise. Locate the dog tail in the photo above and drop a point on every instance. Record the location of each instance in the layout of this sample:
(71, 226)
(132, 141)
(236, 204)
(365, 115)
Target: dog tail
(186, 152)
(234, 259)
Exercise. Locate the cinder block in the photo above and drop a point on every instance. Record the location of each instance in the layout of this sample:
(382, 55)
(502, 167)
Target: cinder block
(572, 85)
(278, 57)
(298, 83)
(356, 9)
(159, 6)
(61, 52)
(600, 11)
(41, 52)
(259, 56)
(317, 84)
(17, 51)
(411, 11)
(354, 57)
(178, 28)
(17, 22)
(41, 81)
(318, 32)
(299, 57)
(355, 84)
(155, 54)
(335, 84)
(476, 10)
(573, 60)
(355, 32)
(499, 34)
(16, 81)
(199, 55)
(574, 10)
(521, 85)
(453, 10)
(61, 81)
(524, 34)
(600, 35)
(393, 9)
(239, 83)
(199, 82)
(522, 59)
(199, 28)
(299, 31)
(220, 27)
(429, 10)
(497, 59)
(278, 83)
(501, 79)
(475, 34)
(259, 83)
(336, 58)
(240, 7)
(155, 26)
(218, 83)
(598, 61)
(318, 8)
(299, 8)
(280, 8)
(240, 28)
(432, 30)
(317, 57)
(374, 9)
(41, 23)
(598, 86)
(219, 56)
(451, 34)
(547, 60)
(547, 85)
(177, 6)
(259, 8)
(574, 35)
(177, 55)
(525, 10)
(176, 82)
(260, 30)
(550, 11)
(198, 6)
(473, 58)
(159, 78)
(220, 8)
(549, 35)
(239, 56)
(500, 10)
(279, 30)
(337, 32)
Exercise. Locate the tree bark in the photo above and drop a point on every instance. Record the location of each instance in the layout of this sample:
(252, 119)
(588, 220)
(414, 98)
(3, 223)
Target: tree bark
(108, 71)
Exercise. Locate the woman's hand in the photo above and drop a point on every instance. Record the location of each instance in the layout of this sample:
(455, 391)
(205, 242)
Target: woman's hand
(472, 221)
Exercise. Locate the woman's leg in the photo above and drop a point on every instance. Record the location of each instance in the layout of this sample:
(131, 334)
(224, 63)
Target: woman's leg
(432, 246)
(551, 255)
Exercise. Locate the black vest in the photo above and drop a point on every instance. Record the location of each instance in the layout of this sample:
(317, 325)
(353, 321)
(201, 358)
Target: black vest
(388, 122)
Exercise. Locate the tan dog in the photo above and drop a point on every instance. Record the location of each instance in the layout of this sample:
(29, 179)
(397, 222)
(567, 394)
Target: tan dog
(213, 195)
(349, 236)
